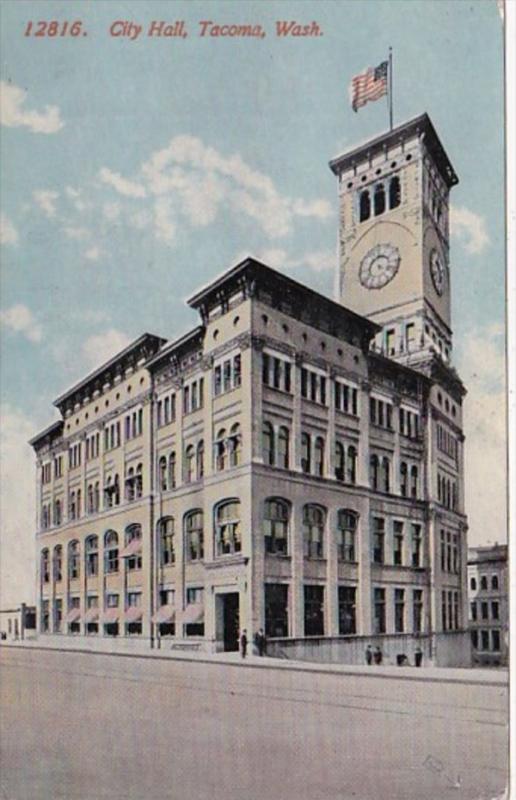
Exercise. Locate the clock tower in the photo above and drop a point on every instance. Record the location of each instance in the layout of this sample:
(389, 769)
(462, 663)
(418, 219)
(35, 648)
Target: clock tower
(394, 239)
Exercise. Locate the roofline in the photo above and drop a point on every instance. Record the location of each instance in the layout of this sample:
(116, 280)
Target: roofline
(174, 345)
(415, 373)
(411, 127)
(249, 262)
(106, 365)
(46, 432)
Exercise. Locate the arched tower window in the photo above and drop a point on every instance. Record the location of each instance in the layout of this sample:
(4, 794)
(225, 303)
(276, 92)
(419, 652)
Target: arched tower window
(379, 199)
(394, 192)
(365, 205)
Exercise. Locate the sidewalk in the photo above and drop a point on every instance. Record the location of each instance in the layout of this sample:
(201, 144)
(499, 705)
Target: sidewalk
(484, 677)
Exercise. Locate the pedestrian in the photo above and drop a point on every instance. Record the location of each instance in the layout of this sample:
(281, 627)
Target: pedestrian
(369, 655)
(243, 643)
(378, 656)
(418, 657)
(262, 642)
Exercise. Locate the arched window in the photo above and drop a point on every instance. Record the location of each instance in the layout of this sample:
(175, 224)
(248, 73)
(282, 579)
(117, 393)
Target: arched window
(73, 560)
(116, 491)
(314, 518)
(414, 481)
(494, 583)
(373, 471)
(483, 583)
(220, 450)
(228, 534)
(57, 512)
(305, 452)
(346, 535)
(90, 498)
(92, 556)
(473, 584)
(72, 506)
(194, 535)
(172, 470)
(319, 456)
(283, 448)
(189, 463)
(275, 526)
(386, 474)
(111, 551)
(404, 479)
(96, 497)
(57, 564)
(162, 474)
(129, 485)
(200, 460)
(351, 467)
(235, 446)
(268, 443)
(166, 541)
(365, 205)
(379, 199)
(138, 481)
(340, 464)
(394, 192)
(133, 547)
(45, 566)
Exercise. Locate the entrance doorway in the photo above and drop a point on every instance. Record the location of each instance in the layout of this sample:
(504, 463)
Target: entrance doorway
(231, 620)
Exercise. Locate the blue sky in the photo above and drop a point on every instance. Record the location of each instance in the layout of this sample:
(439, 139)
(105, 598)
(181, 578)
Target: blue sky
(134, 171)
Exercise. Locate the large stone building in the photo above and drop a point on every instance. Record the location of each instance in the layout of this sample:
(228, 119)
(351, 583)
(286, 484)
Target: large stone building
(488, 580)
(293, 463)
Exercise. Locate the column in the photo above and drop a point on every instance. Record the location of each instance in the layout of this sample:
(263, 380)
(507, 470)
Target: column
(332, 575)
(297, 612)
(364, 592)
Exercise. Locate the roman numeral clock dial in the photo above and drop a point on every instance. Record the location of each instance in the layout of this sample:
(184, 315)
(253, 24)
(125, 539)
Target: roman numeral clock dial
(379, 266)
(437, 271)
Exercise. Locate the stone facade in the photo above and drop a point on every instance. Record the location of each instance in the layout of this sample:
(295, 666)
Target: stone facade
(488, 582)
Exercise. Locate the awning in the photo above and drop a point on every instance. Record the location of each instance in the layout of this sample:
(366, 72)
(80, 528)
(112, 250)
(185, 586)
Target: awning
(133, 614)
(111, 615)
(194, 613)
(134, 547)
(91, 615)
(164, 614)
(73, 615)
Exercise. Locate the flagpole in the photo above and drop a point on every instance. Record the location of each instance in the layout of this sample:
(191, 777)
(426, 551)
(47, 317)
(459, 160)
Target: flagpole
(390, 89)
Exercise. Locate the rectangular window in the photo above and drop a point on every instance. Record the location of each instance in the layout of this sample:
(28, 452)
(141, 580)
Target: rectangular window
(484, 638)
(416, 546)
(276, 610)
(495, 610)
(314, 610)
(417, 610)
(484, 610)
(347, 610)
(399, 610)
(397, 553)
(473, 611)
(495, 640)
(378, 540)
(379, 610)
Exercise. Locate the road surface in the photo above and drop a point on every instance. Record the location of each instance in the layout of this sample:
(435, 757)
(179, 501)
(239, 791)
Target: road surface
(93, 727)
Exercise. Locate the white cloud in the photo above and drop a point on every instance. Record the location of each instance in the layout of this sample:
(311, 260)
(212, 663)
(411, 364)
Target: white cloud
(121, 185)
(76, 233)
(482, 368)
(470, 229)
(20, 319)
(8, 232)
(102, 346)
(279, 259)
(17, 501)
(93, 253)
(164, 224)
(111, 211)
(46, 200)
(13, 115)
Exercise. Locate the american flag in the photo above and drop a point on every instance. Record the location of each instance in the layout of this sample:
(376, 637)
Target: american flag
(369, 85)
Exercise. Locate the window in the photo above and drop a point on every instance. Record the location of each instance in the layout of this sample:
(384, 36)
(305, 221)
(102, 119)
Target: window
(364, 206)
(72, 506)
(200, 460)
(379, 199)
(235, 446)
(474, 639)
(112, 436)
(275, 524)
(189, 464)
(397, 538)
(319, 456)
(282, 458)
(276, 610)
(45, 566)
(58, 466)
(473, 611)
(172, 471)
(111, 551)
(227, 375)
(276, 372)
(380, 413)
(385, 475)
(417, 610)
(220, 447)
(339, 461)
(314, 610)
(399, 610)
(313, 386)
(134, 602)
(112, 492)
(346, 398)
(390, 348)
(484, 610)
(45, 616)
(268, 443)
(57, 565)
(133, 547)
(444, 615)
(58, 615)
(166, 410)
(416, 546)
(378, 540)
(394, 192)
(410, 337)
(92, 556)
(379, 610)
(351, 467)
(314, 518)
(305, 452)
(46, 473)
(374, 463)
(74, 561)
(134, 483)
(495, 640)
(57, 512)
(194, 534)
(473, 584)
(414, 482)
(166, 541)
(347, 610)
(74, 456)
(347, 522)
(494, 583)
(228, 535)
(484, 637)
(193, 396)
(483, 583)
(403, 478)
(162, 474)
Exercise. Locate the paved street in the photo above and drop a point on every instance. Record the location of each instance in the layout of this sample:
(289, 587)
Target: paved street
(93, 726)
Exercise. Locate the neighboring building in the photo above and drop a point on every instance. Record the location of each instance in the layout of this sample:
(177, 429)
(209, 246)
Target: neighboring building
(18, 622)
(488, 581)
(270, 468)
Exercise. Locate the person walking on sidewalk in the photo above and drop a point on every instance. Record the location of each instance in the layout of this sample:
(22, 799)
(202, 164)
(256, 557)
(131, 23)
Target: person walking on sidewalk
(243, 643)
(378, 656)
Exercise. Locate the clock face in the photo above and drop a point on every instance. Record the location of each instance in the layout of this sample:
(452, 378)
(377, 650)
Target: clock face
(437, 271)
(379, 266)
